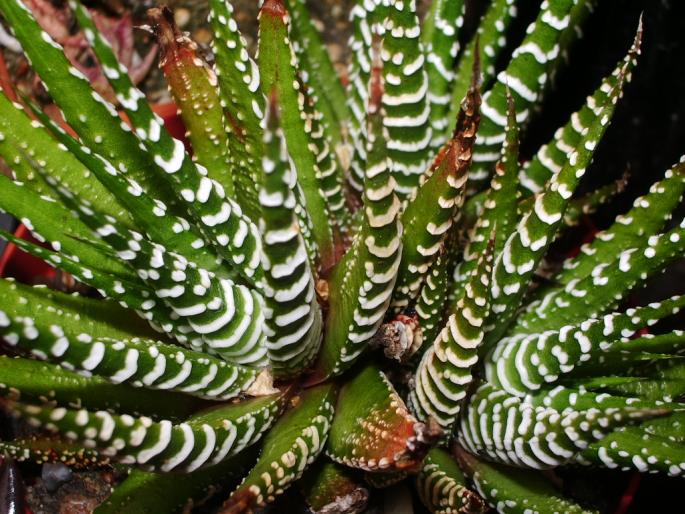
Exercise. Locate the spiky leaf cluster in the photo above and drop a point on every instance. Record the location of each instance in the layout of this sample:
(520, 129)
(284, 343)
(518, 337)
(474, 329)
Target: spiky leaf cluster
(330, 282)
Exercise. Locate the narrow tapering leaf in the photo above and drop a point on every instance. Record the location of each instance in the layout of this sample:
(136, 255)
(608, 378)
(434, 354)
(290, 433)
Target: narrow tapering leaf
(293, 315)
(514, 431)
(446, 369)
(405, 100)
(373, 430)
(526, 76)
(32, 381)
(278, 66)
(295, 441)
(430, 214)
(536, 230)
(205, 439)
(315, 60)
(489, 42)
(362, 282)
(193, 85)
(499, 208)
(523, 362)
(442, 486)
(440, 36)
(243, 102)
(23, 136)
(515, 493)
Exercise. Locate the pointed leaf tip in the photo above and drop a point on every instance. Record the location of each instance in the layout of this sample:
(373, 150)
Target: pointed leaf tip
(274, 8)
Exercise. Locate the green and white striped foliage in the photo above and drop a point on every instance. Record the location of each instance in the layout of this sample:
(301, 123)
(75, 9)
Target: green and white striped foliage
(295, 442)
(616, 245)
(193, 85)
(517, 432)
(225, 318)
(204, 199)
(405, 98)
(526, 77)
(499, 208)
(431, 212)
(526, 246)
(442, 486)
(320, 73)
(515, 493)
(440, 36)
(367, 20)
(430, 304)
(309, 234)
(204, 439)
(279, 70)
(362, 282)
(491, 38)
(142, 363)
(596, 292)
(526, 362)
(445, 371)
(293, 315)
(637, 448)
(242, 100)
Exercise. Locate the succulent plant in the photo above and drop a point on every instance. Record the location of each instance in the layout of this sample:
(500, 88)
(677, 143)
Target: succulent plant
(334, 287)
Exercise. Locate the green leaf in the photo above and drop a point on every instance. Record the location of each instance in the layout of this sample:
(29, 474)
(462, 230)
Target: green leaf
(499, 207)
(33, 381)
(442, 486)
(491, 38)
(94, 119)
(293, 317)
(362, 282)
(633, 449)
(205, 200)
(129, 294)
(242, 101)
(76, 314)
(150, 214)
(405, 99)
(323, 77)
(22, 136)
(647, 217)
(367, 19)
(430, 213)
(278, 68)
(446, 369)
(52, 222)
(193, 85)
(373, 430)
(440, 36)
(531, 434)
(603, 288)
(524, 363)
(225, 318)
(431, 302)
(148, 493)
(293, 443)
(515, 491)
(526, 76)
(536, 230)
(205, 439)
(141, 362)
(329, 487)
